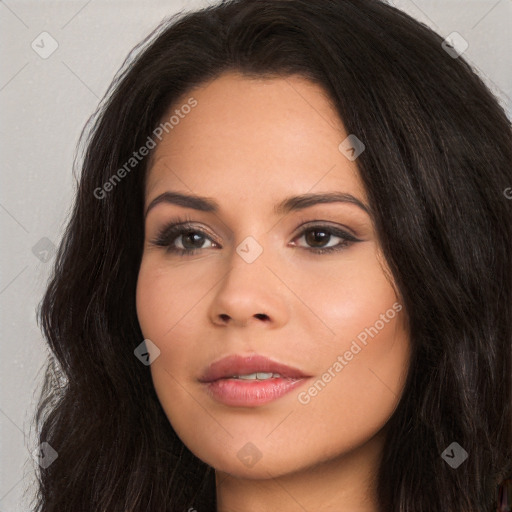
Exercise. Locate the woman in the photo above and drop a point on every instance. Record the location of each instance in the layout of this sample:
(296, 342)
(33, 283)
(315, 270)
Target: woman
(286, 281)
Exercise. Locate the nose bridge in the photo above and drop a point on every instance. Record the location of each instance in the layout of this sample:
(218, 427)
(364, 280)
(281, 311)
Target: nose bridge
(248, 274)
(249, 290)
(251, 250)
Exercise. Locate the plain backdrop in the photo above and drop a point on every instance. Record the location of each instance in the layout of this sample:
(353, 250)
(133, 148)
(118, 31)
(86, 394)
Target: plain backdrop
(46, 99)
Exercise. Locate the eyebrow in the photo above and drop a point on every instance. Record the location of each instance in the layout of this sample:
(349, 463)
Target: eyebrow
(290, 204)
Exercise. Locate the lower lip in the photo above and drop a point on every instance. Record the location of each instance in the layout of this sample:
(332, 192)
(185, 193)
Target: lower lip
(250, 393)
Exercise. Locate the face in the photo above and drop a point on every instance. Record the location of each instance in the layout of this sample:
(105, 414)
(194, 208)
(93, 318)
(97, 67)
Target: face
(301, 282)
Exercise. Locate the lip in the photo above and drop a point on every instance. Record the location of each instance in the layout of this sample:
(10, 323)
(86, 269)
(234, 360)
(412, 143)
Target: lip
(249, 393)
(243, 365)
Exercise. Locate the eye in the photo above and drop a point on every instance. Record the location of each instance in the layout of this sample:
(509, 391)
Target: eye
(180, 237)
(318, 236)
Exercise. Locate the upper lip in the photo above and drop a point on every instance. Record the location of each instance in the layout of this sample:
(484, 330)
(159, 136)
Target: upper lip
(246, 364)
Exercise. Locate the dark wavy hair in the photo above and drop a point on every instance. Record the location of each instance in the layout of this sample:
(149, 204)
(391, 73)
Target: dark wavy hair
(438, 159)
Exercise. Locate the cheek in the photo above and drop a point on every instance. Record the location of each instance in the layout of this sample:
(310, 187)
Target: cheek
(163, 300)
(152, 302)
(165, 295)
(348, 297)
(362, 357)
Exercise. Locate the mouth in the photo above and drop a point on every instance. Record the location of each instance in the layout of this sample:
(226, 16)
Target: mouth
(250, 381)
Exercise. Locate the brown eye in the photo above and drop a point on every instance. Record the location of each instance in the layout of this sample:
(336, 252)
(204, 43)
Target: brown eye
(317, 238)
(191, 239)
(182, 238)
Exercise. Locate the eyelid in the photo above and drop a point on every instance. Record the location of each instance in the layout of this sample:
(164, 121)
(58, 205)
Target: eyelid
(178, 226)
(304, 224)
(185, 221)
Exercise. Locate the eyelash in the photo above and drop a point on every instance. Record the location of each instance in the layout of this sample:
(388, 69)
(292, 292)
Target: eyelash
(181, 226)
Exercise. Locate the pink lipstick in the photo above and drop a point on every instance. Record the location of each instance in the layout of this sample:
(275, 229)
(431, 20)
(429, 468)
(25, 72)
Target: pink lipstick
(249, 381)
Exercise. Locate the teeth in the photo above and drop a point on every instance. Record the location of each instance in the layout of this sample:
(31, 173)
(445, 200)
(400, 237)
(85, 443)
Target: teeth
(257, 376)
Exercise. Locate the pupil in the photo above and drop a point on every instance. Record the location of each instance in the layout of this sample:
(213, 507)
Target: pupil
(317, 237)
(192, 235)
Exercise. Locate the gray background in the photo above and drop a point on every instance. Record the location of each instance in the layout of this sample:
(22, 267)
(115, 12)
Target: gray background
(44, 104)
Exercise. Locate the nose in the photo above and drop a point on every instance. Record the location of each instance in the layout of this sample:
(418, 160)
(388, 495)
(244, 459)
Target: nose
(250, 294)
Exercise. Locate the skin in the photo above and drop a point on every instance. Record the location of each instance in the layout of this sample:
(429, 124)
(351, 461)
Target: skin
(248, 144)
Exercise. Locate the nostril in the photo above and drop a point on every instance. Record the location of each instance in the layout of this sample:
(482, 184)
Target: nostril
(261, 316)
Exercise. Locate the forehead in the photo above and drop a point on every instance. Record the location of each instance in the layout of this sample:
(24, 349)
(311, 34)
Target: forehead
(257, 136)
